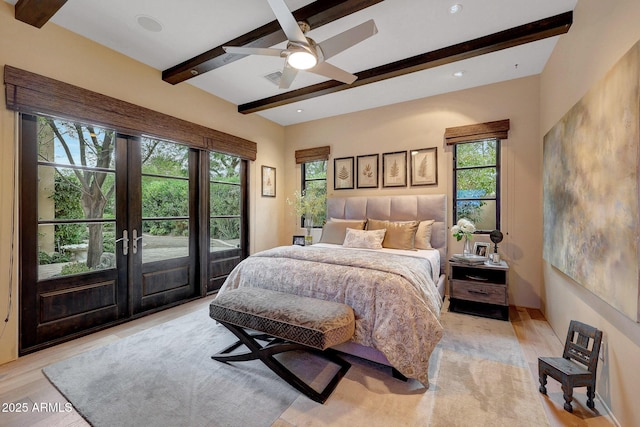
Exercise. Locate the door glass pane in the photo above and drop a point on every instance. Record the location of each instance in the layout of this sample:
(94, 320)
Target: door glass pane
(164, 158)
(164, 197)
(165, 200)
(76, 183)
(63, 249)
(225, 199)
(225, 233)
(164, 239)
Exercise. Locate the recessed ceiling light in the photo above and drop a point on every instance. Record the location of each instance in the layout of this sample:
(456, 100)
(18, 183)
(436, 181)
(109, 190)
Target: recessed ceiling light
(149, 23)
(459, 73)
(299, 110)
(455, 8)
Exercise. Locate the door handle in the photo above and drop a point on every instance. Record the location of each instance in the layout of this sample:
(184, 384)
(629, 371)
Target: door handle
(135, 240)
(125, 242)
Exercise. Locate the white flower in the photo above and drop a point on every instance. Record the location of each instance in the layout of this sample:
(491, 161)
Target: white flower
(464, 228)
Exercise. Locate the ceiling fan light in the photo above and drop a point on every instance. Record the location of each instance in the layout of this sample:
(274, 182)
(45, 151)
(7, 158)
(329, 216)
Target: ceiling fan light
(302, 60)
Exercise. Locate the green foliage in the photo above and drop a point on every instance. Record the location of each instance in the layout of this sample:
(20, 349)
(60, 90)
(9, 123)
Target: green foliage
(74, 268)
(164, 197)
(66, 198)
(54, 258)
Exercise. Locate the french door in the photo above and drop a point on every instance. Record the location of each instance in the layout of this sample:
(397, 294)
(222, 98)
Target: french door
(109, 227)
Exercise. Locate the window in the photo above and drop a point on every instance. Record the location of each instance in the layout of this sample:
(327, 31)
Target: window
(314, 179)
(476, 183)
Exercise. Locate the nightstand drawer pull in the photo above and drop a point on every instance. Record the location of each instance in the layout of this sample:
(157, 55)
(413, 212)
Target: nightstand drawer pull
(473, 291)
(484, 279)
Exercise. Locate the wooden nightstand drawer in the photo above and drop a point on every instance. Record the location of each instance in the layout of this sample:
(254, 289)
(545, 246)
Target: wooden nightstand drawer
(480, 292)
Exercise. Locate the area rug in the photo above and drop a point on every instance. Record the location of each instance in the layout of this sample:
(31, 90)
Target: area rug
(164, 377)
(478, 376)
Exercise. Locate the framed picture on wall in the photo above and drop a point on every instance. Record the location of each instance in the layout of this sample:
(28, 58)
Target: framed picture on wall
(424, 166)
(268, 181)
(343, 173)
(394, 169)
(367, 167)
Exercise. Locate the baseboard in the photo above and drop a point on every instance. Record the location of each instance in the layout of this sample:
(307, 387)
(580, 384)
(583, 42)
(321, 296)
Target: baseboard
(609, 413)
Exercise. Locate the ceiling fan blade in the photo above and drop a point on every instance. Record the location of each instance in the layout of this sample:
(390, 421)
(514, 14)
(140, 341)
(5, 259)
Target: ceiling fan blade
(331, 71)
(287, 21)
(288, 74)
(346, 39)
(253, 50)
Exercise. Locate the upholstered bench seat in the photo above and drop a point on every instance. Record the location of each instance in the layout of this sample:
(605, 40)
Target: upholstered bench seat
(287, 322)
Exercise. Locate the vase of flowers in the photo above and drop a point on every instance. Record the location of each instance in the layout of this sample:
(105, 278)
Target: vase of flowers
(307, 204)
(464, 229)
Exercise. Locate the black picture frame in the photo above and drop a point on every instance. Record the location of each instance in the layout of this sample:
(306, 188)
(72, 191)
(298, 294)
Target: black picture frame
(367, 171)
(424, 166)
(394, 169)
(343, 173)
(298, 240)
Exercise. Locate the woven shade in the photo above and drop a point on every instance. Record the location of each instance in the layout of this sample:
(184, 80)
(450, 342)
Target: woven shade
(35, 94)
(312, 154)
(461, 134)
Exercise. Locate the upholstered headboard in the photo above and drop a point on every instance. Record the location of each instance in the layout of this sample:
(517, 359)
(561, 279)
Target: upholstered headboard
(398, 208)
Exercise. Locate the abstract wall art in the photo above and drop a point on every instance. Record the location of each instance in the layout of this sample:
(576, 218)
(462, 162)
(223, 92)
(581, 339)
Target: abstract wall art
(590, 188)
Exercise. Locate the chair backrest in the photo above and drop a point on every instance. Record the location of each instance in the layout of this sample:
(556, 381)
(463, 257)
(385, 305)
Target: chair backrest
(577, 347)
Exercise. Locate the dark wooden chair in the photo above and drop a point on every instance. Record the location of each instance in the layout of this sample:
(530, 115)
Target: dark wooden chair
(577, 366)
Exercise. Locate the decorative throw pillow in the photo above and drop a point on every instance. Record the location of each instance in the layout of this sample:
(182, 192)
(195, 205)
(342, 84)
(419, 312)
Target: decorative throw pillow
(423, 234)
(335, 231)
(399, 235)
(364, 239)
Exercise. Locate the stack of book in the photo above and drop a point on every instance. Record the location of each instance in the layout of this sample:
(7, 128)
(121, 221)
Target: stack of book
(469, 259)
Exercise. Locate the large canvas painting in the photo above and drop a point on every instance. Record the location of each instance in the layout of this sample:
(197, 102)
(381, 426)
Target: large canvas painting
(591, 188)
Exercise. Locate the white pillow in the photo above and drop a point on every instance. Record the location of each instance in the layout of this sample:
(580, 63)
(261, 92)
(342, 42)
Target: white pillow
(364, 239)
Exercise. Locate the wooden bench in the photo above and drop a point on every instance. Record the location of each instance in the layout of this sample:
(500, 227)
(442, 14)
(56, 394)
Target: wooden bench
(286, 322)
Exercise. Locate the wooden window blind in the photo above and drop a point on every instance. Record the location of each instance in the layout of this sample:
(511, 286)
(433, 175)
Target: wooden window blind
(35, 94)
(312, 154)
(461, 134)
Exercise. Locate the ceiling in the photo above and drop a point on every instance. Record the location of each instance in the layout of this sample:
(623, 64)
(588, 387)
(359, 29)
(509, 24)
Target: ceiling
(406, 28)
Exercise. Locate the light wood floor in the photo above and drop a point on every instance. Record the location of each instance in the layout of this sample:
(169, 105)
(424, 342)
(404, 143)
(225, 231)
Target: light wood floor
(22, 381)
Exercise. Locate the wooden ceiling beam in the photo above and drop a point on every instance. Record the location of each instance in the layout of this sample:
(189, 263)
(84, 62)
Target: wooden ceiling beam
(37, 12)
(512, 37)
(316, 14)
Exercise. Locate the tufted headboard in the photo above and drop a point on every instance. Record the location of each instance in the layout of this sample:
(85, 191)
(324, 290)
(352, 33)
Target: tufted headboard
(398, 208)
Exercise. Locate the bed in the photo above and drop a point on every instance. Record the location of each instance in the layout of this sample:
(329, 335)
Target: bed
(396, 294)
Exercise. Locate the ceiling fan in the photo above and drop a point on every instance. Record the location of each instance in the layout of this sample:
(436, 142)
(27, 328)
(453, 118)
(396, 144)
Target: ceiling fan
(302, 53)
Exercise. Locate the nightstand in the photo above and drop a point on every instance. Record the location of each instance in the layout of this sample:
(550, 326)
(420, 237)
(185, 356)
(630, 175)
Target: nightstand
(479, 289)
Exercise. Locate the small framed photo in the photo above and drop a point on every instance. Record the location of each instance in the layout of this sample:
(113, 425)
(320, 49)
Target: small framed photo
(343, 173)
(298, 240)
(367, 167)
(394, 169)
(268, 181)
(481, 248)
(424, 166)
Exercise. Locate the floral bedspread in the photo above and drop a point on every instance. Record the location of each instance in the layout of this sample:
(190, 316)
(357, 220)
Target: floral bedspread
(395, 302)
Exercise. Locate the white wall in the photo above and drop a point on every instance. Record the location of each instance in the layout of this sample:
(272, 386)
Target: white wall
(62, 55)
(421, 124)
(601, 34)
